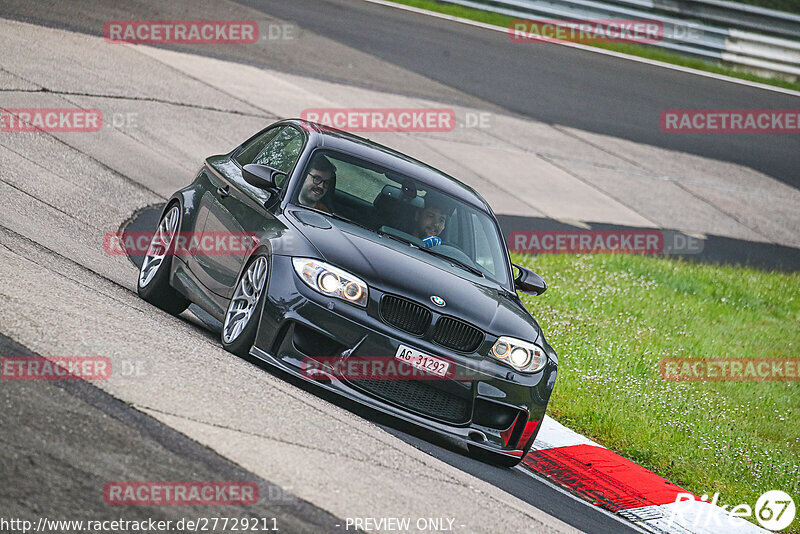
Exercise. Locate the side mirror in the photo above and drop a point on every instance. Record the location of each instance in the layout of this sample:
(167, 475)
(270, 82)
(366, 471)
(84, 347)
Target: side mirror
(262, 176)
(529, 282)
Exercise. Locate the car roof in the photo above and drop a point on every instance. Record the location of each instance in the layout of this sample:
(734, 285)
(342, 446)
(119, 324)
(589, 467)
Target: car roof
(321, 136)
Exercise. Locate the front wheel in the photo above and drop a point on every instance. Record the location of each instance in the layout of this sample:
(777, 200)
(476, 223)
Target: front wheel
(153, 284)
(241, 319)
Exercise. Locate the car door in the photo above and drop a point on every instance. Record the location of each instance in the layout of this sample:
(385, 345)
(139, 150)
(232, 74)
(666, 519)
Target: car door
(237, 209)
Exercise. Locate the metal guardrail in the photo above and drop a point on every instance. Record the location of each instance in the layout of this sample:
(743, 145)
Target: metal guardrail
(730, 15)
(748, 37)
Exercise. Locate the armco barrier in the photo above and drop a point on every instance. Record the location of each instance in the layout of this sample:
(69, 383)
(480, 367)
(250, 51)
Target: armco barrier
(751, 38)
(730, 15)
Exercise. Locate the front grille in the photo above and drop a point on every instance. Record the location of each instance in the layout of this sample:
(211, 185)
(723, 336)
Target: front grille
(457, 335)
(419, 397)
(405, 315)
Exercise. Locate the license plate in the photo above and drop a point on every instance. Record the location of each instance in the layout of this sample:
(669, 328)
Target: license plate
(422, 361)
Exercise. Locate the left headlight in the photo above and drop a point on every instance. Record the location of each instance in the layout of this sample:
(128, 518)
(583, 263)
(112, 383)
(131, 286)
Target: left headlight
(331, 281)
(522, 355)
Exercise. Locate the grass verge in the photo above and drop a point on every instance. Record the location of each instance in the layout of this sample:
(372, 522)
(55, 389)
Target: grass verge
(612, 318)
(633, 49)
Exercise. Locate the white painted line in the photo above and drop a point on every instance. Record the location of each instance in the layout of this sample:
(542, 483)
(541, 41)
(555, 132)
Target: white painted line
(553, 435)
(593, 49)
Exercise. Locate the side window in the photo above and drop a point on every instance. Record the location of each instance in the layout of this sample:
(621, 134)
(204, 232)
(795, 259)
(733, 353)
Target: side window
(283, 151)
(248, 155)
(483, 248)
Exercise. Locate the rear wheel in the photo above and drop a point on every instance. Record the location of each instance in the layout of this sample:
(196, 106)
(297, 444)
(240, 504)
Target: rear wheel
(153, 285)
(241, 319)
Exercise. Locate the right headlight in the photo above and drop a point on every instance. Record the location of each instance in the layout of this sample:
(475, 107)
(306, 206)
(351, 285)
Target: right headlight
(331, 281)
(522, 355)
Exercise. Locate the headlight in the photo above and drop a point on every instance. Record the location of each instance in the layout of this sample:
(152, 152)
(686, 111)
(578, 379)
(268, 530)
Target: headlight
(330, 280)
(522, 355)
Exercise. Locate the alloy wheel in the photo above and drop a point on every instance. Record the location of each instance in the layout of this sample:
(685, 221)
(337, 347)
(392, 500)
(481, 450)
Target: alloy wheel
(244, 300)
(159, 246)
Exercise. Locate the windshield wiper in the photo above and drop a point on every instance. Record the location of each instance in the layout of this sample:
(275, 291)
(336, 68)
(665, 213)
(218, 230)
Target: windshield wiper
(458, 263)
(345, 219)
(397, 238)
(379, 232)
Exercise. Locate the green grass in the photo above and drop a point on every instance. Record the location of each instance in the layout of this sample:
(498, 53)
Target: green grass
(612, 318)
(633, 49)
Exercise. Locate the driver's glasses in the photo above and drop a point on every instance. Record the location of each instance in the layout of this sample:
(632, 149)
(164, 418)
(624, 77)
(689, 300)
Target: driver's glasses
(319, 180)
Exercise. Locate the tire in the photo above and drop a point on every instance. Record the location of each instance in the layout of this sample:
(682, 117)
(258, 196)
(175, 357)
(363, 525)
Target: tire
(241, 320)
(153, 281)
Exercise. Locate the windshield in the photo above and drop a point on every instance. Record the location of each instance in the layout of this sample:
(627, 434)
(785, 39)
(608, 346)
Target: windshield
(399, 206)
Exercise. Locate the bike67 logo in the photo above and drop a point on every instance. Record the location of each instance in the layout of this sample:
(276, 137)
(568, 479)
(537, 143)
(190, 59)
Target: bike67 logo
(774, 510)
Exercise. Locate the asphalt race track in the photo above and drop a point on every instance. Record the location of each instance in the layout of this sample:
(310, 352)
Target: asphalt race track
(51, 430)
(184, 409)
(552, 84)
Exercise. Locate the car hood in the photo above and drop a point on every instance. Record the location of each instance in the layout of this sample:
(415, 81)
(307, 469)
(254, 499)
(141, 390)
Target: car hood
(394, 267)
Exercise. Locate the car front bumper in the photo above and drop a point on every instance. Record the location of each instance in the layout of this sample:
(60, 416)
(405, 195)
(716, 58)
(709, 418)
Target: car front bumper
(487, 405)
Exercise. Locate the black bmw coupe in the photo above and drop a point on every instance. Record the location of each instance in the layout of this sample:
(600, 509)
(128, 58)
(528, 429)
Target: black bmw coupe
(368, 273)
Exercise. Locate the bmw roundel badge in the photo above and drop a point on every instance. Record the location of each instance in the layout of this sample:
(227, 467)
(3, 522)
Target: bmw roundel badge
(439, 301)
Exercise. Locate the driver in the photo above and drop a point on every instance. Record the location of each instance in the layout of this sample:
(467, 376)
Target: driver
(430, 220)
(319, 181)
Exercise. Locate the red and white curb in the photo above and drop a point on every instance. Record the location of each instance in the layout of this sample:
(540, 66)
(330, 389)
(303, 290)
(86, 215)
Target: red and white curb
(623, 487)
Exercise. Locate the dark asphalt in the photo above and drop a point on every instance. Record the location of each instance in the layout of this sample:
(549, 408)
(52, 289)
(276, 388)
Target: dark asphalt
(552, 83)
(470, 66)
(62, 441)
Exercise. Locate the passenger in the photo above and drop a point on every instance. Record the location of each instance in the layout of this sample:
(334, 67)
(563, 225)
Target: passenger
(430, 220)
(319, 182)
